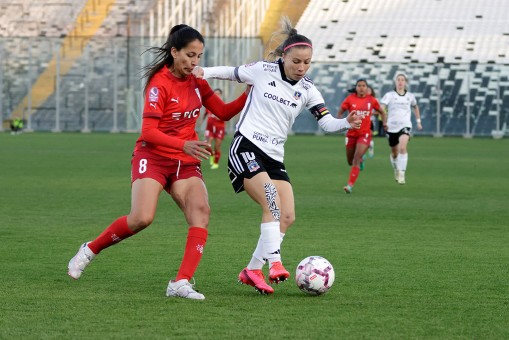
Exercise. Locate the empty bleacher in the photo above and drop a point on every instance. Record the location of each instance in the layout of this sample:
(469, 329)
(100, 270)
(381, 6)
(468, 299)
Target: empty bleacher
(460, 48)
(459, 84)
(408, 30)
(457, 47)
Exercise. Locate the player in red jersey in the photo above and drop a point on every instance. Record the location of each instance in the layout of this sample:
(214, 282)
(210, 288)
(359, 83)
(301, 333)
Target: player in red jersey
(358, 141)
(214, 133)
(167, 155)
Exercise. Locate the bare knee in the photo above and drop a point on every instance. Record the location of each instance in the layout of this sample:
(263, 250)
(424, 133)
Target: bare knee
(286, 221)
(138, 222)
(198, 215)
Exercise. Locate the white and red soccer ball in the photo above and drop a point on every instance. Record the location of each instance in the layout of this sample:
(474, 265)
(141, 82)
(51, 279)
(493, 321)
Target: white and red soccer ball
(315, 275)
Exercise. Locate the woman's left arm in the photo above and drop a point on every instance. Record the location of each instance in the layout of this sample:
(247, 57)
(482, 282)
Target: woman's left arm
(417, 113)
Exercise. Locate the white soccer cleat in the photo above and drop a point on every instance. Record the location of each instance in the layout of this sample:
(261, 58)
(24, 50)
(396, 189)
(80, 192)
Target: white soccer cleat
(401, 177)
(184, 289)
(396, 175)
(348, 189)
(80, 261)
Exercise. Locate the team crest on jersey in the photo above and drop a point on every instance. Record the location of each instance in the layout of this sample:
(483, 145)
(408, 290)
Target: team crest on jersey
(153, 94)
(252, 166)
(198, 93)
(297, 95)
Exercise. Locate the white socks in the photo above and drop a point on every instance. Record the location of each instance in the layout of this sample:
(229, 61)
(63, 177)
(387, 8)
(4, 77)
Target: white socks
(402, 161)
(399, 163)
(394, 162)
(259, 255)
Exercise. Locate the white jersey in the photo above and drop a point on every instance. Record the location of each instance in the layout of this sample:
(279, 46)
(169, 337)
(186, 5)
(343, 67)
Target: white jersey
(399, 110)
(273, 104)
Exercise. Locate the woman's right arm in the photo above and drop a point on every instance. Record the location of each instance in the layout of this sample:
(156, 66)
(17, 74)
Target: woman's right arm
(242, 74)
(217, 72)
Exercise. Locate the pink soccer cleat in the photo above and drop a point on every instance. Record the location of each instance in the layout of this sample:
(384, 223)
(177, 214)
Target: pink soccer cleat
(256, 279)
(278, 273)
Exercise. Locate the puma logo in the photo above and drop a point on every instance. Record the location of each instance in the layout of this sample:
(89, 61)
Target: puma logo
(175, 100)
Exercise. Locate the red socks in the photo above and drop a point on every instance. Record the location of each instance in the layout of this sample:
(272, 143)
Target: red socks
(196, 239)
(217, 157)
(354, 173)
(116, 232)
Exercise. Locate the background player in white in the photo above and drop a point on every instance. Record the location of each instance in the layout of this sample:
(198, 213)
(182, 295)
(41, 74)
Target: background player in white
(398, 104)
(280, 92)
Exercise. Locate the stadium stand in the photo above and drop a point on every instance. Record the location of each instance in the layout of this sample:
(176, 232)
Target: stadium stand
(408, 30)
(454, 52)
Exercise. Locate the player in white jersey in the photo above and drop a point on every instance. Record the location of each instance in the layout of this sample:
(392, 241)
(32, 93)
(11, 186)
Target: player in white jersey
(398, 104)
(280, 92)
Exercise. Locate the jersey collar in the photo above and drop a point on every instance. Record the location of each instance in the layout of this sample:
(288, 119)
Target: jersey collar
(283, 75)
(401, 95)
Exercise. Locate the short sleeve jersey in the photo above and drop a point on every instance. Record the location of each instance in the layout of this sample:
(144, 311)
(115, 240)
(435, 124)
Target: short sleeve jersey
(176, 102)
(272, 105)
(399, 110)
(361, 106)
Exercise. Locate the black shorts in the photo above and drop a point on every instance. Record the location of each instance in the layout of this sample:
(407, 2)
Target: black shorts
(245, 160)
(393, 137)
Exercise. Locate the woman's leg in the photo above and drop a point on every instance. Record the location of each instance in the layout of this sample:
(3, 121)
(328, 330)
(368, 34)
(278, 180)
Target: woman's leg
(192, 198)
(144, 196)
(358, 152)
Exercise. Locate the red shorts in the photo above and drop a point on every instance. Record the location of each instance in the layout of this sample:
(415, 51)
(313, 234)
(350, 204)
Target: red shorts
(215, 129)
(352, 141)
(164, 170)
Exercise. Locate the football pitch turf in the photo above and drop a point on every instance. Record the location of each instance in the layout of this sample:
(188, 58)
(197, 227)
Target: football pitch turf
(429, 259)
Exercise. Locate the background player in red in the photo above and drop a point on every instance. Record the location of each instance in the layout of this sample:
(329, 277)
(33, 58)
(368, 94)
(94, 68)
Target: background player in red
(214, 133)
(167, 155)
(357, 141)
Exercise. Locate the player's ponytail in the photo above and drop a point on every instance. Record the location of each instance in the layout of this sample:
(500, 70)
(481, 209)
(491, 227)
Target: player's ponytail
(180, 36)
(293, 39)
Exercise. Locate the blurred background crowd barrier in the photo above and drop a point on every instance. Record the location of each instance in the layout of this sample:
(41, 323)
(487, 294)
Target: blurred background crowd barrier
(76, 65)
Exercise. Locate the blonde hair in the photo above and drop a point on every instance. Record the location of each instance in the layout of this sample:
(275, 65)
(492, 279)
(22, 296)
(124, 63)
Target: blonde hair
(292, 38)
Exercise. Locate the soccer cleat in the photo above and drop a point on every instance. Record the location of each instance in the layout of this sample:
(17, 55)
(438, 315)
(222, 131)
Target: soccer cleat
(214, 166)
(348, 189)
(396, 175)
(401, 177)
(80, 261)
(363, 163)
(184, 289)
(211, 160)
(278, 273)
(256, 279)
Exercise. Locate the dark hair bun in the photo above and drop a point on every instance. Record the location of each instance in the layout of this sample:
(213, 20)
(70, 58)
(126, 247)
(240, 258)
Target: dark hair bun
(177, 28)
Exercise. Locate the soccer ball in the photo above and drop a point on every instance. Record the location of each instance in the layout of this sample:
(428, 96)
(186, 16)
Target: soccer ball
(315, 275)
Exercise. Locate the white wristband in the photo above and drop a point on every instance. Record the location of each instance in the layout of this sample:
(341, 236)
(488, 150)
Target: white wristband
(418, 120)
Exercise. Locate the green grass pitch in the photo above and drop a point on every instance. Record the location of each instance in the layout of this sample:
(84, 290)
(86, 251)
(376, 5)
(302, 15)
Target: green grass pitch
(429, 259)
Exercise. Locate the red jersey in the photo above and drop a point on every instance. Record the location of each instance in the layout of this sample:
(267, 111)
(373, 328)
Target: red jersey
(363, 107)
(176, 102)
